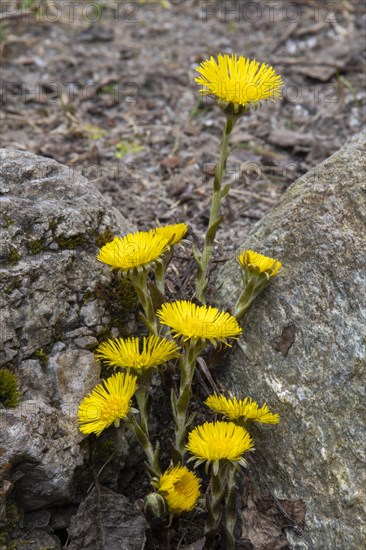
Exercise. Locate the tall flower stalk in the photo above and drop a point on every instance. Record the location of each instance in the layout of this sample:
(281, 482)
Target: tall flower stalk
(237, 84)
(214, 502)
(174, 234)
(219, 192)
(139, 281)
(230, 507)
(141, 428)
(180, 404)
(142, 436)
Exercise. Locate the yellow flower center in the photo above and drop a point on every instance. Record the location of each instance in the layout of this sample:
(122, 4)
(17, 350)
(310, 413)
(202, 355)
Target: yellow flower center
(112, 409)
(182, 486)
(179, 487)
(195, 326)
(219, 448)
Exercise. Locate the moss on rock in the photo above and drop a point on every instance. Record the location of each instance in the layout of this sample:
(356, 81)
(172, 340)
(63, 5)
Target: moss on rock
(42, 356)
(9, 391)
(8, 222)
(120, 300)
(70, 242)
(15, 283)
(35, 246)
(13, 255)
(105, 237)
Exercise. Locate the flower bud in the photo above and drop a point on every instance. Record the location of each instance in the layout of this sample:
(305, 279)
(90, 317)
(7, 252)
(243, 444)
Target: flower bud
(154, 507)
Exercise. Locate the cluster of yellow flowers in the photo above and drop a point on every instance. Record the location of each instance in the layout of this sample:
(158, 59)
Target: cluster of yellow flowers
(110, 402)
(180, 330)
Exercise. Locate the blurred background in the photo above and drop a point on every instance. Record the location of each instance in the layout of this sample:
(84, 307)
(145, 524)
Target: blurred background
(107, 88)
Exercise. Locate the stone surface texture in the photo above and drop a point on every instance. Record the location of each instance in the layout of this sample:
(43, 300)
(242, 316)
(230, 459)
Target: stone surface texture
(50, 221)
(303, 348)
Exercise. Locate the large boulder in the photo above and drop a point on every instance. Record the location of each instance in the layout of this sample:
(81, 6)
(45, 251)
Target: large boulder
(303, 348)
(51, 222)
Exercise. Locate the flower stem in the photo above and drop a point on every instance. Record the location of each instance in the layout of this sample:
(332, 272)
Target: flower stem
(144, 441)
(253, 285)
(180, 404)
(230, 508)
(139, 281)
(160, 270)
(219, 193)
(214, 500)
(142, 397)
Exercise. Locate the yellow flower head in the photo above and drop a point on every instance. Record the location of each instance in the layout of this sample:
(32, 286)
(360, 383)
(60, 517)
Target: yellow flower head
(172, 233)
(180, 488)
(126, 353)
(193, 322)
(214, 441)
(245, 409)
(259, 263)
(107, 403)
(134, 251)
(238, 80)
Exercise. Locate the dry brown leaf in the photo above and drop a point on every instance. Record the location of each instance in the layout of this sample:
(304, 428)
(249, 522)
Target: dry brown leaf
(264, 520)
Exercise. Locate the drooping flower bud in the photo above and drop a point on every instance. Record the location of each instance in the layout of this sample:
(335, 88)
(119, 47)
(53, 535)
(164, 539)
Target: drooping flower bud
(154, 508)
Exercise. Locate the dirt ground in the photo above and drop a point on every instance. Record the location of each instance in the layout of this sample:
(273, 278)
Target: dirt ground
(107, 89)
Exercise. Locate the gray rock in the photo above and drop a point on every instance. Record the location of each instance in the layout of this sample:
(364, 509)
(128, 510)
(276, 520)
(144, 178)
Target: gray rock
(106, 519)
(42, 449)
(50, 220)
(303, 349)
(37, 539)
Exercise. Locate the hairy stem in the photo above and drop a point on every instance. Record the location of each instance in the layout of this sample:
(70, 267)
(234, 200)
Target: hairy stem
(142, 398)
(139, 281)
(144, 441)
(203, 258)
(180, 404)
(214, 500)
(253, 285)
(230, 508)
(160, 269)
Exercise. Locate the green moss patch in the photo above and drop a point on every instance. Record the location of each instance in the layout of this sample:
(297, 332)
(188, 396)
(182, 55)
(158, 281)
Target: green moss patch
(9, 391)
(120, 300)
(105, 237)
(70, 242)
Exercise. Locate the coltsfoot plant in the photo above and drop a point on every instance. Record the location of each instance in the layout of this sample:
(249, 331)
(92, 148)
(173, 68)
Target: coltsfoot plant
(178, 332)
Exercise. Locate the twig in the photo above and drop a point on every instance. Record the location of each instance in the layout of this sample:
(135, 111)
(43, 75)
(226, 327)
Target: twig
(250, 194)
(202, 363)
(100, 471)
(14, 15)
